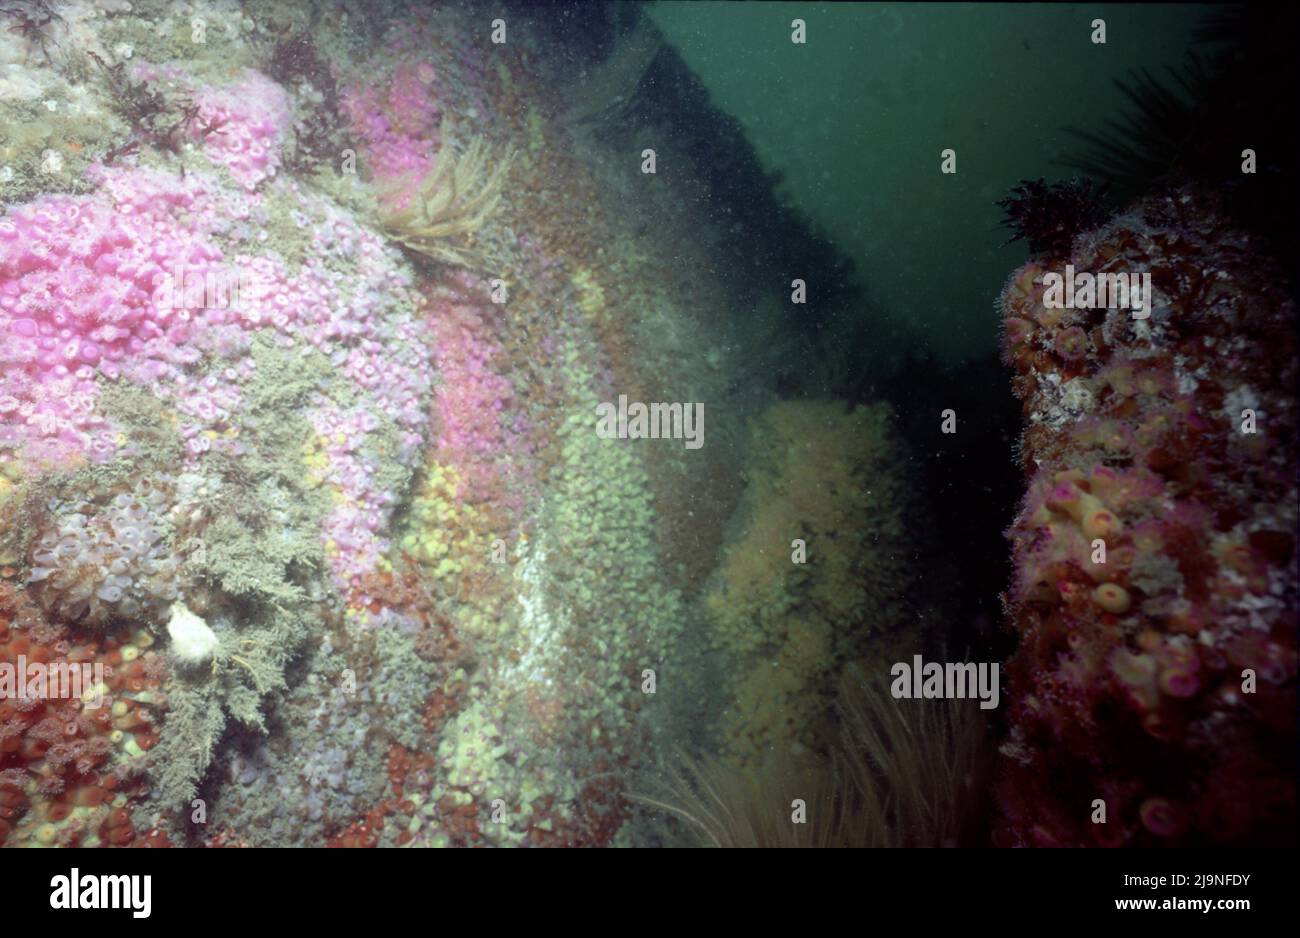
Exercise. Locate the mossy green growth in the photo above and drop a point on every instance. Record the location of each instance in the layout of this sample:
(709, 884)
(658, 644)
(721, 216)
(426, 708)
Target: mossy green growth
(382, 447)
(263, 542)
(252, 560)
(264, 562)
(402, 684)
(248, 667)
(194, 724)
(161, 32)
(284, 378)
(48, 143)
(148, 426)
(346, 189)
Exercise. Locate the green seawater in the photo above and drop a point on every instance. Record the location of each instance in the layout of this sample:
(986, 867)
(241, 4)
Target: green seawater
(856, 118)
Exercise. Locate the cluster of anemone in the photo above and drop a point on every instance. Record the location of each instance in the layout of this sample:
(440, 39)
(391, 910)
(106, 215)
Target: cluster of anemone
(65, 763)
(98, 563)
(253, 117)
(1154, 552)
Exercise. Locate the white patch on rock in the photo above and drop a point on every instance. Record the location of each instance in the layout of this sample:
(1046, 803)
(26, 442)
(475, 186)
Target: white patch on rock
(193, 642)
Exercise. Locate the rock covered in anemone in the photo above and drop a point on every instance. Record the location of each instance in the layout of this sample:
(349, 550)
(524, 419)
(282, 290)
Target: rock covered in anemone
(1154, 585)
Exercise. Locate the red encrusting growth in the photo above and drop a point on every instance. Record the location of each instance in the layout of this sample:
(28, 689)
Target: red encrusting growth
(60, 756)
(1154, 588)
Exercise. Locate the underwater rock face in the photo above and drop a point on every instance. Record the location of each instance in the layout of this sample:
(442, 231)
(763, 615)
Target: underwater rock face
(309, 339)
(1154, 590)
